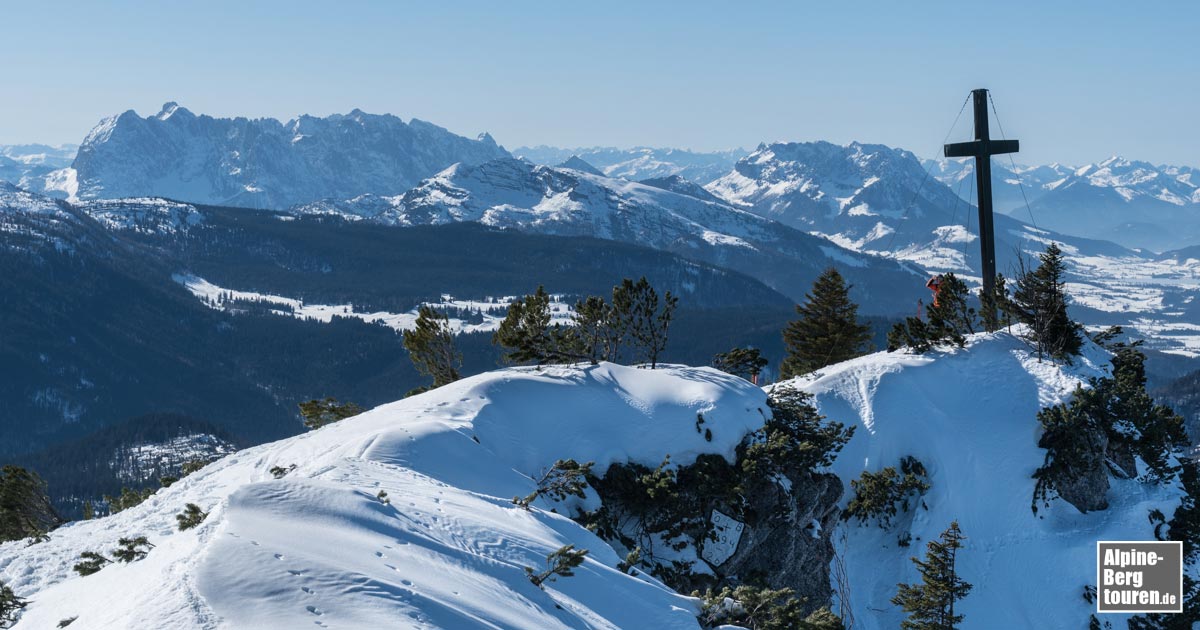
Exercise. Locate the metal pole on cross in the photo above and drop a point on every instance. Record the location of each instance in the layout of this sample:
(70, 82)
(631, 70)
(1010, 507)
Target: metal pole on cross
(982, 148)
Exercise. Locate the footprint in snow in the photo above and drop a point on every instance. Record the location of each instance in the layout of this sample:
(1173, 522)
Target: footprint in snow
(306, 590)
(314, 610)
(254, 542)
(295, 572)
(378, 554)
(279, 556)
(406, 582)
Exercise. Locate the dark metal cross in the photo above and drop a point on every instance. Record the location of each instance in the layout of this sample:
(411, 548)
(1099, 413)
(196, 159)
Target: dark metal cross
(982, 148)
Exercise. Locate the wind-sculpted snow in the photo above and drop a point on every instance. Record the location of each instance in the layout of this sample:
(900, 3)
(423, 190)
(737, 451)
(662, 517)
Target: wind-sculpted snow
(447, 550)
(262, 163)
(970, 416)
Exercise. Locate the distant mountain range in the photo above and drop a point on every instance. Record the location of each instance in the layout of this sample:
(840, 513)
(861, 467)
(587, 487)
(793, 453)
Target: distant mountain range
(27, 165)
(666, 214)
(640, 163)
(262, 163)
(1136, 204)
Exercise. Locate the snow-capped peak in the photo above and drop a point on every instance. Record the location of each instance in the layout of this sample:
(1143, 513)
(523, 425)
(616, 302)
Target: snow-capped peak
(265, 163)
(168, 110)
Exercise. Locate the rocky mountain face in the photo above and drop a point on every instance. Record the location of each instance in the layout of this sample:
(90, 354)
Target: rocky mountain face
(515, 194)
(1134, 203)
(640, 163)
(262, 163)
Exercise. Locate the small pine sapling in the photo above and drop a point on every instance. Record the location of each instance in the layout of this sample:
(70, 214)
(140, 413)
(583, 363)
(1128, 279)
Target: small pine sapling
(132, 549)
(318, 413)
(10, 606)
(191, 516)
(90, 562)
(930, 603)
(631, 561)
(565, 478)
(559, 563)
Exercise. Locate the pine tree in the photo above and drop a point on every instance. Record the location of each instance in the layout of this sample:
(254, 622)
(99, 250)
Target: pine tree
(637, 313)
(566, 477)
(10, 606)
(127, 499)
(25, 509)
(994, 306)
(560, 562)
(930, 604)
(90, 562)
(430, 345)
(950, 319)
(132, 549)
(827, 331)
(597, 329)
(747, 363)
(795, 439)
(191, 516)
(318, 413)
(1040, 302)
(528, 336)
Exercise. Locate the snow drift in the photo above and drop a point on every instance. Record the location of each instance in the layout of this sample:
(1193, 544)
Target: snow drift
(448, 551)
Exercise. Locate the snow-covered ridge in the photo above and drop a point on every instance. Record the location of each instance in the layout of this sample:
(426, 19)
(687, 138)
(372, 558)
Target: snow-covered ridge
(486, 314)
(971, 417)
(146, 215)
(448, 551)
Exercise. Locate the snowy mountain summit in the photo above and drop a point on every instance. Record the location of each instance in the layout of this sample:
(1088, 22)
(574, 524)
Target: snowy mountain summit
(260, 163)
(404, 517)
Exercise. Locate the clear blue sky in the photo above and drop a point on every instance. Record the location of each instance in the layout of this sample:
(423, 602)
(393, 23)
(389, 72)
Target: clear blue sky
(1075, 82)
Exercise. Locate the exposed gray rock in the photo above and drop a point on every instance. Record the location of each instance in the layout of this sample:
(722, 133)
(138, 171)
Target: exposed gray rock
(1085, 484)
(785, 527)
(787, 539)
